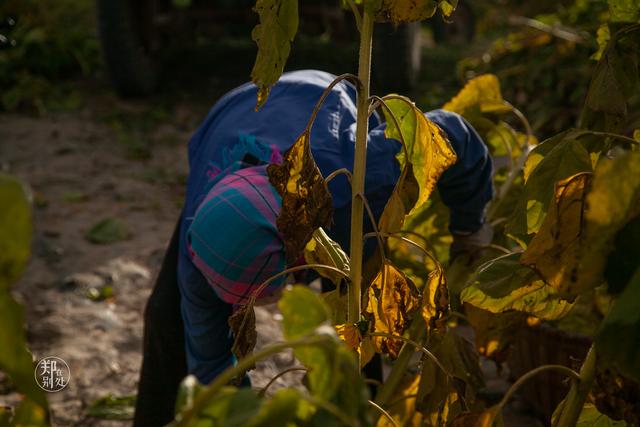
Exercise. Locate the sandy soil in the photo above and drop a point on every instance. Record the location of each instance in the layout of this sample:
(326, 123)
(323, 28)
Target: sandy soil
(79, 175)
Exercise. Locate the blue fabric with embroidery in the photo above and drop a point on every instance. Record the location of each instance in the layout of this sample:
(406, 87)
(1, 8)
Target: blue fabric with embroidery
(233, 130)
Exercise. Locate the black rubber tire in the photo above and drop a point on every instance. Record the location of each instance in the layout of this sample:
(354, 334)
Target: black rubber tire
(132, 66)
(461, 27)
(397, 56)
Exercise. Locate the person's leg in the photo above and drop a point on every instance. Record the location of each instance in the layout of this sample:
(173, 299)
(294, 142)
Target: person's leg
(164, 360)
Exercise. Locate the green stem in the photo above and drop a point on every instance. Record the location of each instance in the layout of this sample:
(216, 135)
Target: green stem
(417, 333)
(359, 166)
(577, 396)
(243, 365)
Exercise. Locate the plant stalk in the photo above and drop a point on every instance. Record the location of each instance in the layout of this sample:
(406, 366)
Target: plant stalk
(417, 333)
(359, 168)
(577, 396)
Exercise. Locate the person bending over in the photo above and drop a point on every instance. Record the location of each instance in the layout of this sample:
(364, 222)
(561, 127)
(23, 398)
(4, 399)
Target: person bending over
(226, 242)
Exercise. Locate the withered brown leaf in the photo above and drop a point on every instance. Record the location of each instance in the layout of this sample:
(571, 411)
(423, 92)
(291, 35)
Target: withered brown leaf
(306, 201)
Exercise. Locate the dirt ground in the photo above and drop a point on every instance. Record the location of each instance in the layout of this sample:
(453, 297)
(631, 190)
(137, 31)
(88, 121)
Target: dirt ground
(80, 173)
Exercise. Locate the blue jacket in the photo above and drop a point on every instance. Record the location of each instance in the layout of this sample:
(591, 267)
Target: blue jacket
(233, 130)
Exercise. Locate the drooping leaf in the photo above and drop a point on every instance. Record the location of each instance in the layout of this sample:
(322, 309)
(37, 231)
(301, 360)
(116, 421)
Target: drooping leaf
(351, 335)
(392, 297)
(403, 198)
(15, 229)
(306, 201)
(273, 35)
(488, 418)
(403, 409)
(320, 249)
(243, 326)
(442, 397)
(504, 284)
(429, 154)
(614, 200)
(618, 342)
(480, 94)
(435, 299)
(553, 160)
(553, 252)
(109, 230)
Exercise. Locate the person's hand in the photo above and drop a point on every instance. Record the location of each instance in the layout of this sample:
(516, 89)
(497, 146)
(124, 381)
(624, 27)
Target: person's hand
(471, 244)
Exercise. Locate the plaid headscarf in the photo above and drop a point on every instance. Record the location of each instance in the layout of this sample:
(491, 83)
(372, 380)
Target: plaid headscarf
(234, 240)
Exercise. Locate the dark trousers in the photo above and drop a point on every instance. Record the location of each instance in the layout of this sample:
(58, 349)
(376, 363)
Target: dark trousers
(164, 361)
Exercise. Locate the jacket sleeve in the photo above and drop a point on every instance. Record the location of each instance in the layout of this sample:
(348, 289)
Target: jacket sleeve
(465, 187)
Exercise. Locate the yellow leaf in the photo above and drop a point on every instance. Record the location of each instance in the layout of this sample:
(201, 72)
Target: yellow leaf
(553, 252)
(403, 411)
(481, 93)
(429, 155)
(392, 297)
(350, 334)
(435, 299)
(306, 201)
(536, 298)
(320, 249)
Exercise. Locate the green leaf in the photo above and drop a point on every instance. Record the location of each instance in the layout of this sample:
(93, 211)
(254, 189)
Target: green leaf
(108, 231)
(618, 342)
(273, 35)
(320, 249)
(231, 407)
(591, 417)
(303, 311)
(552, 161)
(504, 284)
(30, 414)
(554, 250)
(429, 155)
(285, 408)
(113, 407)
(624, 10)
(439, 397)
(15, 229)
(614, 200)
(15, 358)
